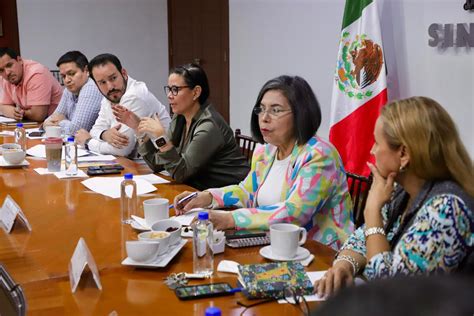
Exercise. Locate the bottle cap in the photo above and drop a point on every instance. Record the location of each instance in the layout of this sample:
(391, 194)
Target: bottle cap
(203, 216)
(70, 139)
(213, 311)
(19, 124)
(128, 176)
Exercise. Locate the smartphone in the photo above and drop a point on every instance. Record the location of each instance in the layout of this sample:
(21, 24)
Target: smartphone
(238, 234)
(101, 172)
(36, 134)
(106, 167)
(204, 290)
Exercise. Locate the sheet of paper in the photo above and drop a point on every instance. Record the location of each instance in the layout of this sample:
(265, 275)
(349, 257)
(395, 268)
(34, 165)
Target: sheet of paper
(43, 171)
(96, 158)
(313, 276)
(80, 258)
(110, 186)
(7, 133)
(40, 152)
(4, 119)
(186, 219)
(152, 178)
(62, 174)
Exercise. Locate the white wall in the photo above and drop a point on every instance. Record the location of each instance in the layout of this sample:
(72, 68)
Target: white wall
(136, 31)
(267, 38)
(300, 37)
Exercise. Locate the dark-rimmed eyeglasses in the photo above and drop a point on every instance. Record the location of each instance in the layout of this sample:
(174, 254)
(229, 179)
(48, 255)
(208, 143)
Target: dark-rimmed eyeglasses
(272, 111)
(173, 89)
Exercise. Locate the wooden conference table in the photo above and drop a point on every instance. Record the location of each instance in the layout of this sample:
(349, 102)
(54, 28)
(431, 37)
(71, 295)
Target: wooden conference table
(62, 211)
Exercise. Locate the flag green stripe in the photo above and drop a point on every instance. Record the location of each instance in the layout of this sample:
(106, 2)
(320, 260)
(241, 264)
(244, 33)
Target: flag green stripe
(353, 11)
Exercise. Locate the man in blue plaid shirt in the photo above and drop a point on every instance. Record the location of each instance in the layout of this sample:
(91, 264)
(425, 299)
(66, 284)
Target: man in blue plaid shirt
(80, 103)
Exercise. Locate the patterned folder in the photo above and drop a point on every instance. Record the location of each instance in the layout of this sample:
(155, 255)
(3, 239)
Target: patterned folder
(273, 279)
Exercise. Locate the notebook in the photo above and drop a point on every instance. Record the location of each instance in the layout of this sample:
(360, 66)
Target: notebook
(270, 280)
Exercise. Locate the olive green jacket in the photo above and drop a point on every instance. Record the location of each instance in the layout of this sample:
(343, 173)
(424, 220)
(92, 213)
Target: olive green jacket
(208, 158)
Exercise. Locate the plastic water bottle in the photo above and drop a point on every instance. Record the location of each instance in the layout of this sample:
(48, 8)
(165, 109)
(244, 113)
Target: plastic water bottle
(20, 135)
(203, 256)
(70, 151)
(128, 198)
(213, 311)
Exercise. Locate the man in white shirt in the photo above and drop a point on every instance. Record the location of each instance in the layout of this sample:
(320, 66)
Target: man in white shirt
(108, 136)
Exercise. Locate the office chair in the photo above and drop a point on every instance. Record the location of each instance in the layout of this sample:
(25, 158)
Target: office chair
(12, 299)
(246, 143)
(359, 190)
(58, 77)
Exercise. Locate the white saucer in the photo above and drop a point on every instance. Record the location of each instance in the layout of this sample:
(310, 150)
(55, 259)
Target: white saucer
(301, 253)
(5, 164)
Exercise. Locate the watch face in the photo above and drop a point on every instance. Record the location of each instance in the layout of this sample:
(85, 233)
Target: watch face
(160, 142)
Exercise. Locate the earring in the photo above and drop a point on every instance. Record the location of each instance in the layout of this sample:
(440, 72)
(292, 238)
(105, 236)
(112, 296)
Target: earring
(402, 168)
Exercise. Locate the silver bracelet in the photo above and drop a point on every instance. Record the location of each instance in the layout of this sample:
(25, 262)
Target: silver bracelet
(373, 231)
(352, 261)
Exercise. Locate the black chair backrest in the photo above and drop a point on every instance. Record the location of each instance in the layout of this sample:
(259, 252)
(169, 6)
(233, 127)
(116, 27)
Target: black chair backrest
(359, 190)
(12, 299)
(58, 77)
(246, 143)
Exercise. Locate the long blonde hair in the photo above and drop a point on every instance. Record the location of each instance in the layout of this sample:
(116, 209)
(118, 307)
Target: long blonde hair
(432, 140)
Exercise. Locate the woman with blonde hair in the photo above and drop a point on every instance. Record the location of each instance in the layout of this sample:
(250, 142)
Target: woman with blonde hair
(425, 223)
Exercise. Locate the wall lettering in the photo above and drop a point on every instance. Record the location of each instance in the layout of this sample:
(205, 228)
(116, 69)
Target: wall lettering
(451, 35)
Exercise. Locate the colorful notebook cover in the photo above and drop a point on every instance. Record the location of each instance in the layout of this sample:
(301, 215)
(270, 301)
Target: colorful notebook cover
(271, 279)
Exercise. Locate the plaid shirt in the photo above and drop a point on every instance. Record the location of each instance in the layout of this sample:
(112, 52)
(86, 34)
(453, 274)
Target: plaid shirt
(81, 110)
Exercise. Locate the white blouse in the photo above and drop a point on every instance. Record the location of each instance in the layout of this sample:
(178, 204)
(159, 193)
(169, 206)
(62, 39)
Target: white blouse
(270, 191)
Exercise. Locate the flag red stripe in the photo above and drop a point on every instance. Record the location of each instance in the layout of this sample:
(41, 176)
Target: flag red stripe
(353, 136)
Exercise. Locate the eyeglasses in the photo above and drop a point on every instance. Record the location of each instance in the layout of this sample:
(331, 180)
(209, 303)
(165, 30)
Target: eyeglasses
(272, 111)
(174, 89)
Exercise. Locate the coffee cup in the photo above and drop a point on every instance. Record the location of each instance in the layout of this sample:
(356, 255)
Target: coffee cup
(285, 239)
(157, 236)
(54, 148)
(52, 131)
(155, 210)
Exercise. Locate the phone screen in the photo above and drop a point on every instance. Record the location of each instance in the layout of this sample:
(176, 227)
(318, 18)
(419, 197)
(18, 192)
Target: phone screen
(204, 290)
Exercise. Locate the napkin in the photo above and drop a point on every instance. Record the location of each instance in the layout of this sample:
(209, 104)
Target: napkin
(228, 266)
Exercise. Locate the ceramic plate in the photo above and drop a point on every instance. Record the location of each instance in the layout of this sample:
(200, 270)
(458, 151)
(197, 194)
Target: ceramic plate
(301, 253)
(5, 164)
(160, 261)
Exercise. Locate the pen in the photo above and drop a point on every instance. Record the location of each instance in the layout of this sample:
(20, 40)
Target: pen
(188, 197)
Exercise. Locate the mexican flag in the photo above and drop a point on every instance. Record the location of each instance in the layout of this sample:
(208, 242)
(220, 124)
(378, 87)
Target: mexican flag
(360, 85)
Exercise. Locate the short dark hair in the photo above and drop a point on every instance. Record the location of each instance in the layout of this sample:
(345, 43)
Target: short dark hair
(304, 106)
(73, 56)
(103, 59)
(194, 75)
(8, 51)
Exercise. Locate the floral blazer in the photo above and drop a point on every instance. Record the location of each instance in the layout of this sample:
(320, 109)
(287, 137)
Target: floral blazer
(438, 239)
(314, 195)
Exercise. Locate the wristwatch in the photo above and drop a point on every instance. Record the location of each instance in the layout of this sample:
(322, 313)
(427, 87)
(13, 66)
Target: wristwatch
(86, 143)
(160, 141)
